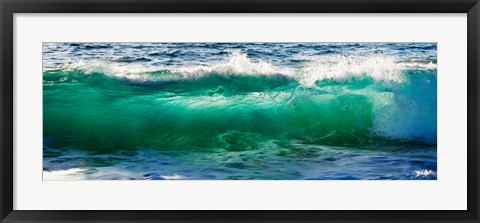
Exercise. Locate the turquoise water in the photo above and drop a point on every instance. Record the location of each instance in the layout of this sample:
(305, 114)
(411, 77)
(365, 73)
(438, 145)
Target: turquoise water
(240, 111)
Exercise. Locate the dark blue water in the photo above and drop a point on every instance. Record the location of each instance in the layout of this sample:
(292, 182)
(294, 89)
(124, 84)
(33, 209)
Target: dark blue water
(162, 55)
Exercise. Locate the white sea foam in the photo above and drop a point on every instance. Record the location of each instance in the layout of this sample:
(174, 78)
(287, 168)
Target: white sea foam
(237, 64)
(105, 173)
(379, 67)
(173, 177)
(69, 174)
(132, 72)
(336, 67)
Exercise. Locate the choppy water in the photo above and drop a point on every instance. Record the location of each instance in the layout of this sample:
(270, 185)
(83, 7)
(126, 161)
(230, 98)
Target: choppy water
(240, 111)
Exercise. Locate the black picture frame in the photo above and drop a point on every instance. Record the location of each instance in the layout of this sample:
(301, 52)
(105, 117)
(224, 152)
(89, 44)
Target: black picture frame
(9, 7)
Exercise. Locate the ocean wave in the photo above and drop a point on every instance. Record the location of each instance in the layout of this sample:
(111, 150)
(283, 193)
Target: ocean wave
(336, 100)
(167, 120)
(332, 67)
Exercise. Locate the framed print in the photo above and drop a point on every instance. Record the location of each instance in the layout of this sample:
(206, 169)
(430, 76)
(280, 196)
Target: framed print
(316, 111)
(201, 111)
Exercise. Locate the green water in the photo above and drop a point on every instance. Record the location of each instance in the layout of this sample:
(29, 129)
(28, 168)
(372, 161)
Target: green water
(104, 114)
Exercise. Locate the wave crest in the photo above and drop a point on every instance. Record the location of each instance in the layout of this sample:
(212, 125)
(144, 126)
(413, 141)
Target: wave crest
(332, 67)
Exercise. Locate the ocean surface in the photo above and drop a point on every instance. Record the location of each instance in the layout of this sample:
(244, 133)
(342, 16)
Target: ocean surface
(240, 111)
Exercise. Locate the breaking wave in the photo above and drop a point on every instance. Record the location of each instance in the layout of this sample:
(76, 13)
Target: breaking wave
(332, 67)
(333, 100)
